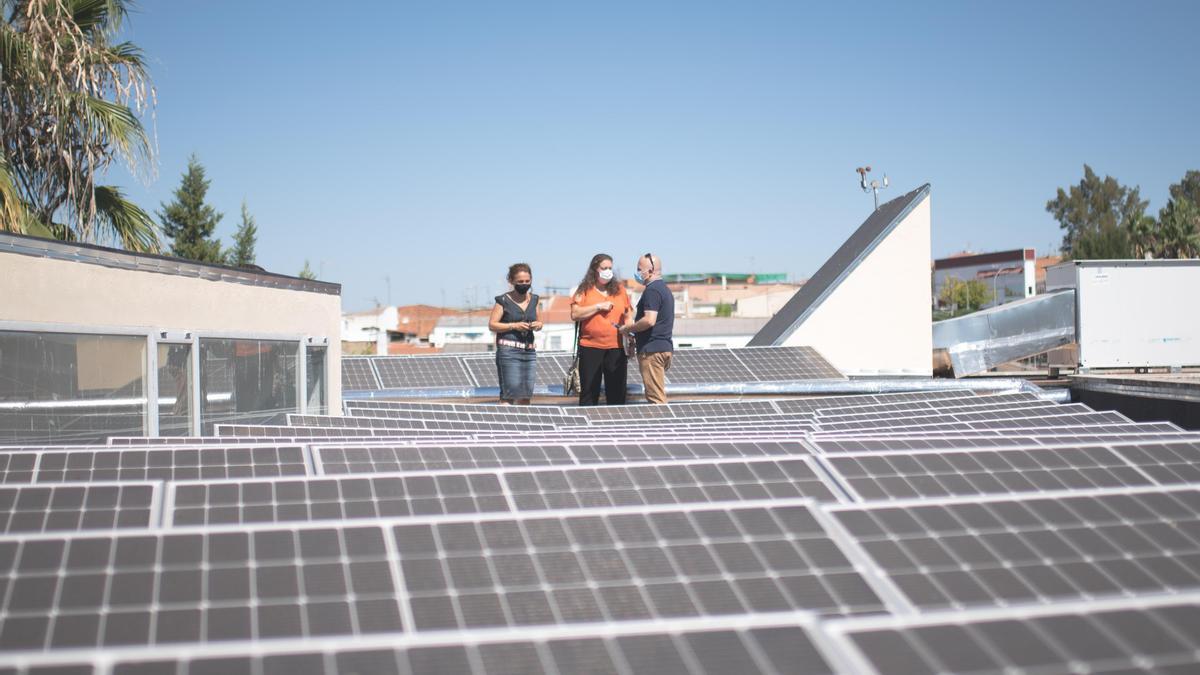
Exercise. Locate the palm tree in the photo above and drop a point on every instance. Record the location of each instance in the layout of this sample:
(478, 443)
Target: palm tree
(70, 100)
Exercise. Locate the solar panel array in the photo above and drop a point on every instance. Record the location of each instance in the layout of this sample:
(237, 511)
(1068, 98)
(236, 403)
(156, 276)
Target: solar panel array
(688, 367)
(923, 532)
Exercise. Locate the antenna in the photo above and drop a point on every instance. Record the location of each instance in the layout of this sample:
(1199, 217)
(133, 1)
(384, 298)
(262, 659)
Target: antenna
(873, 186)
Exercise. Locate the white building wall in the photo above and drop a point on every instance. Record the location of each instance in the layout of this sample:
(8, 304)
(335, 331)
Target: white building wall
(876, 322)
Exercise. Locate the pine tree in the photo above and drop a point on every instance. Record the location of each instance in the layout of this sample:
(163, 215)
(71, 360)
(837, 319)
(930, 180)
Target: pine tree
(307, 272)
(244, 240)
(189, 222)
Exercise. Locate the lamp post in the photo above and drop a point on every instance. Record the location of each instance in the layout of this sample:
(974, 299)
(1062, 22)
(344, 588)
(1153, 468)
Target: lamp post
(873, 186)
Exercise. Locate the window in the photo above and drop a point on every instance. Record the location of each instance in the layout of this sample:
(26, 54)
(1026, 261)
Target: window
(247, 381)
(175, 378)
(71, 388)
(314, 369)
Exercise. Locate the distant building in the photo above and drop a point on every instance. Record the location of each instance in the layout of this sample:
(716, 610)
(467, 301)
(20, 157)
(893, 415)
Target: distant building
(1009, 275)
(392, 330)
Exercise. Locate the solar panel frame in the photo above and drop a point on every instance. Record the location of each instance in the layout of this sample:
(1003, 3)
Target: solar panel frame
(943, 473)
(162, 586)
(967, 441)
(150, 463)
(786, 364)
(65, 507)
(1077, 421)
(358, 374)
(1044, 548)
(1154, 632)
(421, 372)
(345, 459)
(748, 644)
(422, 493)
(565, 544)
(933, 417)
(904, 408)
(707, 366)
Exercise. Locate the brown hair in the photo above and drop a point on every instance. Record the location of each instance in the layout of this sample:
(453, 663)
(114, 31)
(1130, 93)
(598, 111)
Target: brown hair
(516, 268)
(592, 276)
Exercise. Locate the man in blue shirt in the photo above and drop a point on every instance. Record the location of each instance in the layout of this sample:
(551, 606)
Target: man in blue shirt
(652, 327)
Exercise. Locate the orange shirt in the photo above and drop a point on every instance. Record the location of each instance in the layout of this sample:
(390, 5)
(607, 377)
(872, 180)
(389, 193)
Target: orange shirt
(597, 331)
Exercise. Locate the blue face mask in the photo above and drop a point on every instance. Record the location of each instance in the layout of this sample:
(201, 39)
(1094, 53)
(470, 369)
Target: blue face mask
(637, 275)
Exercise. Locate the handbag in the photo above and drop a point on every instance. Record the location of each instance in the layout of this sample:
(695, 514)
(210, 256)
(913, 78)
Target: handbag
(571, 380)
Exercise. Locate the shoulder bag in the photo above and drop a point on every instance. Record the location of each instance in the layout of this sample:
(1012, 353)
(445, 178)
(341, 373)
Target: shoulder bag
(571, 380)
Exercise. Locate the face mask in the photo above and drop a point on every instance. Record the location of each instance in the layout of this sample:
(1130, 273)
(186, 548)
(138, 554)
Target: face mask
(606, 275)
(521, 289)
(637, 275)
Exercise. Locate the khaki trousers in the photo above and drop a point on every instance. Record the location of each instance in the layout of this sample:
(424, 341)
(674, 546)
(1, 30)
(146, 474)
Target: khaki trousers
(654, 369)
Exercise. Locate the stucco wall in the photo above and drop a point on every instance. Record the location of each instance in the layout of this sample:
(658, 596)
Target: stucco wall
(877, 320)
(45, 290)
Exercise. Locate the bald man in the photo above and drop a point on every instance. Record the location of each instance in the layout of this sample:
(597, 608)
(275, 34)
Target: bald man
(652, 328)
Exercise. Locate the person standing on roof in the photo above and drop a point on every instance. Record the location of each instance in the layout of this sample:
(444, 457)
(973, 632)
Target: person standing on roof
(653, 326)
(514, 320)
(601, 306)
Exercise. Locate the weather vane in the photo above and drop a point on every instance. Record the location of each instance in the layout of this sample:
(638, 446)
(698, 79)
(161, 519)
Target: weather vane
(874, 186)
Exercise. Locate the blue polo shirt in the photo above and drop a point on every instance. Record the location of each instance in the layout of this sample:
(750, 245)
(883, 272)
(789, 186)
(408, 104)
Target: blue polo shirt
(656, 298)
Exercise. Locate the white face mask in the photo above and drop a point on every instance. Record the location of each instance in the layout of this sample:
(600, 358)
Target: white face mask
(605, 275)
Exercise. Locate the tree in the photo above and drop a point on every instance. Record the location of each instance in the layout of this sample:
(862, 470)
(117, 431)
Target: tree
(724, 309)
(964, 296)
(1097, 216)
(1179, 230)
(190, 222)
(307, 272)
(1188, 188)
(70, 100)
(244, 240)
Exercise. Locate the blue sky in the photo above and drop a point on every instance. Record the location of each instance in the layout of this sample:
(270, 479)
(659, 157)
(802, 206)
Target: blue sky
(436, 142)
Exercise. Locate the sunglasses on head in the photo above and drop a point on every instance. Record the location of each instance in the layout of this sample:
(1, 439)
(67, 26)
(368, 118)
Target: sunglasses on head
(650, 257)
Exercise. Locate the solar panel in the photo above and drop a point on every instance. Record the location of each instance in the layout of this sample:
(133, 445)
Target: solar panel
(746, 645)
(814, 403)
(334, 460)
(425, 493)
(161, 588)
(929, 417)
(358, 375)
(1052, 547)
(677, 482)
(944, 406)
(416, 372)
(945, 473)
(497, 414)
(62, 508)
(707, 366)
(1125, 636)
(649, 563)
(381, 404)
(293, 500)
(774, 364)
(680, 409)
(482, 370)
(384, 459)
(835, 446)
(1080, 421)
(153, 463)
(398, 423)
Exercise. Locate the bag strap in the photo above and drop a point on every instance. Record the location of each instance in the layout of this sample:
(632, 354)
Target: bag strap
(576, 350)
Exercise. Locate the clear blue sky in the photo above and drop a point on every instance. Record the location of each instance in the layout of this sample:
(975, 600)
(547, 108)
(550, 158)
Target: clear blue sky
(436, 142)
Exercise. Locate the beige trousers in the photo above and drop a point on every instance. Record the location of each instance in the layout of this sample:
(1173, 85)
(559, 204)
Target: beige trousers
(654, 369)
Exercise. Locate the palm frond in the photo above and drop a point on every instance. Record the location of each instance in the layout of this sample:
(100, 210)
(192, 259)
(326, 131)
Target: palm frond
(125, 221)
(117, 124)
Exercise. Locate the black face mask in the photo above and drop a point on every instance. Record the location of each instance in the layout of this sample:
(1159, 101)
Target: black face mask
(521, 289)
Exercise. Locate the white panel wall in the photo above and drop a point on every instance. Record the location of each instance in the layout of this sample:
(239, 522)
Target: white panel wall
(877, 322)
(1138, 313)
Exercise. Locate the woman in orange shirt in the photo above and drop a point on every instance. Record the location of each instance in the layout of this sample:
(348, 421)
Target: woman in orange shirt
(600, 304)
